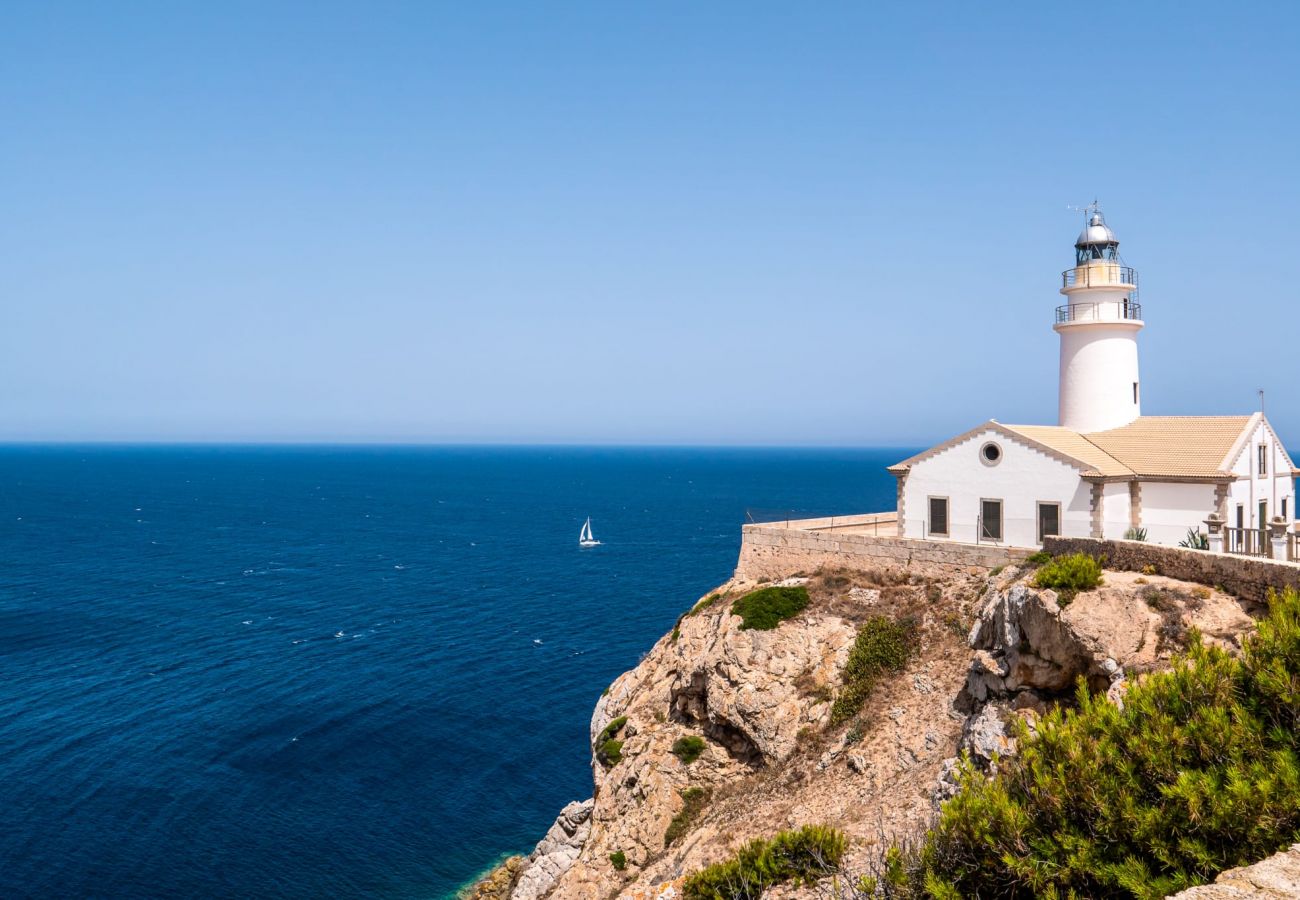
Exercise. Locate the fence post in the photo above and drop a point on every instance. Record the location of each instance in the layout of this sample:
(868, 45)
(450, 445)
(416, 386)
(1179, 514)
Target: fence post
(1278, 527)
(1214, 524)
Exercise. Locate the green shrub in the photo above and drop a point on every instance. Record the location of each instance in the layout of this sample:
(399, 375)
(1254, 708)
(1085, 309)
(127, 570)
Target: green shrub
(1195, 540)
(608, 750)
(704, 604)
(802, 857)
(768, 607)
(619, 859)
(996, 571)
(1135, 534)
(882, 645)
(1038, 559)
(677, 632)
(1067, 575)
(1198, 772)
(694, 801)
(689, 748)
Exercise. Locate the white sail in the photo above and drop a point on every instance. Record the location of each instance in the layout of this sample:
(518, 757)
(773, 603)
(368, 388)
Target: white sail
(585, 536)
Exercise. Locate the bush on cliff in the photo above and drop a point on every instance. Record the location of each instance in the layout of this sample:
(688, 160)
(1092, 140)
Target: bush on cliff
(802, 857)
(608, 750)
(694, 801)
(768, 607)
(882, 645)
(1197, 773)
(1068, 575)
(689, 748)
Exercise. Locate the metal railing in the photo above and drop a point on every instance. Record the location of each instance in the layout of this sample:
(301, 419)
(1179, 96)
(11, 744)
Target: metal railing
(1247, 542)
(1100, 275)
(1112, 311)
(1293, 546)
(882, 524)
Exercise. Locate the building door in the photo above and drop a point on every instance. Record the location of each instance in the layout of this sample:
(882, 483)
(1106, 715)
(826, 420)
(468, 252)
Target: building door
(990, 520)
(1049, 520)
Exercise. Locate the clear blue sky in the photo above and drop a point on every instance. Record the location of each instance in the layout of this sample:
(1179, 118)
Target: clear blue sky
(667, 223)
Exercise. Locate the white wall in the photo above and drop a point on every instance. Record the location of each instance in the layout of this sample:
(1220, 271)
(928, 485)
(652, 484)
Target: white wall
(1170, 508)
(1251, 487)
(1117, 509)
(1023, 477)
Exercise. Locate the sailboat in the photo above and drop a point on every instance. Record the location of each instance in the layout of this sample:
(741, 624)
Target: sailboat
(585, 537)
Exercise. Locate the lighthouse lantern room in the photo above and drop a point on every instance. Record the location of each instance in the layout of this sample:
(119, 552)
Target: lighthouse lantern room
(1099, 386)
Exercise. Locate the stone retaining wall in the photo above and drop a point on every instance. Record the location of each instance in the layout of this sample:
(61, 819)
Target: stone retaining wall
(1248, 577)
(769, 552)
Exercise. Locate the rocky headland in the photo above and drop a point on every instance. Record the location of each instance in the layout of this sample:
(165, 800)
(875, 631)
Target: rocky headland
(725, 733)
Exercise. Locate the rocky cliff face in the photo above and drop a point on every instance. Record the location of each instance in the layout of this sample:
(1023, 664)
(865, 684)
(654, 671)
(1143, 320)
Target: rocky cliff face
(986, 649)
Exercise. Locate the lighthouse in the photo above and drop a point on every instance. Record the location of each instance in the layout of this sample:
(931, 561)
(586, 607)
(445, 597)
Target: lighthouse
(1098, 325)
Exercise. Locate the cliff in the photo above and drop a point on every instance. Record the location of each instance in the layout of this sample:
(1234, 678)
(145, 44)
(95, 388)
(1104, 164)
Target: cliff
(725, 733)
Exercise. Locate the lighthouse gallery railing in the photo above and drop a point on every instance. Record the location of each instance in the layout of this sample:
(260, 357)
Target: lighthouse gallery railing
(1099, 312)
(1100, 275)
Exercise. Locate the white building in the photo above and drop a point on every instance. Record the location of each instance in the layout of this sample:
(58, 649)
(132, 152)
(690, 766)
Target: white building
(1104, 468)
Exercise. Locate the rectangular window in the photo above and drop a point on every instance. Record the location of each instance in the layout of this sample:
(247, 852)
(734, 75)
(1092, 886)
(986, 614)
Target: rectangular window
(1135, 393)
(1049, 520)
(990, 520)
(1283, 511)
(1263, 514)
(1241, 515)
(939, 515)
(1263, 459)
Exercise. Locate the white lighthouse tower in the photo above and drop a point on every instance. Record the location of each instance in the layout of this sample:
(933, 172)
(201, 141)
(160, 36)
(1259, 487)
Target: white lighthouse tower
(1098, 328)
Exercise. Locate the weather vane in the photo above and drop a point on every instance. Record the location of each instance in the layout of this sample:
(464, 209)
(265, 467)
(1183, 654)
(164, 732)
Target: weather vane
(1092, 207)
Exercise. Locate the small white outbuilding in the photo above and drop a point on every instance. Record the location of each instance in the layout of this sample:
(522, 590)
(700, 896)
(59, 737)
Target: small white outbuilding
(1105, 470)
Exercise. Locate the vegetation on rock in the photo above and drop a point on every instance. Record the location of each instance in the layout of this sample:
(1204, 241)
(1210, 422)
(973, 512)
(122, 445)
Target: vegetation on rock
(1197, 772)
(768, 607)
(619, 860)
(1068, 575)
(704, 604)
(882, 645)
(689, 748)
(694, 801)
(608, 750)
(800, 857)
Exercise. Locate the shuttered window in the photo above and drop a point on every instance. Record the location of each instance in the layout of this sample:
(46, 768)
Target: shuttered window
(938, 515)
(991, 520)
(1049, 520)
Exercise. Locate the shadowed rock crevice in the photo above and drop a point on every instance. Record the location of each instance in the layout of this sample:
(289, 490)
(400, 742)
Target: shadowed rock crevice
(689, 705)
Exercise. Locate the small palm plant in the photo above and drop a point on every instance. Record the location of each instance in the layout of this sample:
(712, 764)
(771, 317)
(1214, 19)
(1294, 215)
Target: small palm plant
(1195, 540)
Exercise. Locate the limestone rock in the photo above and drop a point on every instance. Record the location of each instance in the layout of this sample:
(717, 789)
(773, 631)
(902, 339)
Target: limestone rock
(1025, 640)
(864, 595)
(986, 735)
(556, 852)
(1271, 879)
(498, 883)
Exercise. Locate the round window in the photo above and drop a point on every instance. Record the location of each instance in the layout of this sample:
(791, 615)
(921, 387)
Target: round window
(990, 454)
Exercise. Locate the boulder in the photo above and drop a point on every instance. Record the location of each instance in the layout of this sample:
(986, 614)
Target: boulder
(1271, 879)
(556, 852)
(986, 735)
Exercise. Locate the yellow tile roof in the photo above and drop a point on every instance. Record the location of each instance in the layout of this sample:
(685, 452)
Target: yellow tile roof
(1074, 445)
(1184, 446)
(1152, 447)
(1149, 446)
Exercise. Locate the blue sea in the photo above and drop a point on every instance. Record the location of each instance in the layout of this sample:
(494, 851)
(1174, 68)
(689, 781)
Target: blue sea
(344, 671)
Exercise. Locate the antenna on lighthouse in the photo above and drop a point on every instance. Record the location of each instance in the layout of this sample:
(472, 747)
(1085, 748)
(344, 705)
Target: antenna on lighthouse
(1261, 400)
(1087, 211)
